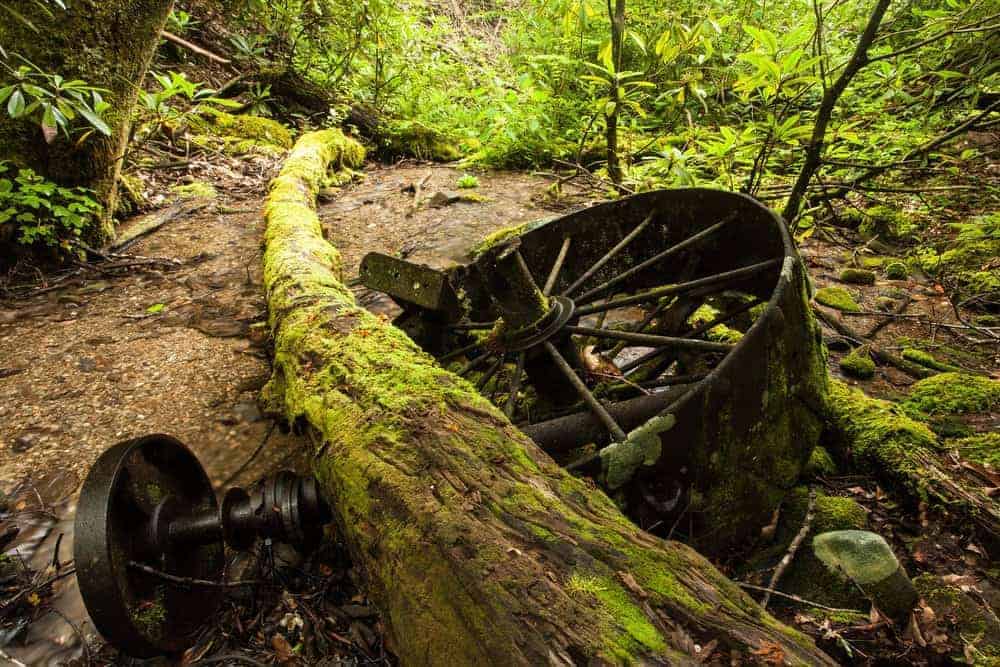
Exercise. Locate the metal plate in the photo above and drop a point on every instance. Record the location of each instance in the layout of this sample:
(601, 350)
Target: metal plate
(142, 614)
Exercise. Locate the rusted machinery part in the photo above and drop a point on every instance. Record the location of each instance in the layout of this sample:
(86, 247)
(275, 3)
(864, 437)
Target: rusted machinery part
(149, 533)
(664, 253)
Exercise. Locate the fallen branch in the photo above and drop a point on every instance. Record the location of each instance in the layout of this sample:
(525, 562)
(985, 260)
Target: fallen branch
(896, 313)
(150, 222)
(180, 41)
(880, 354)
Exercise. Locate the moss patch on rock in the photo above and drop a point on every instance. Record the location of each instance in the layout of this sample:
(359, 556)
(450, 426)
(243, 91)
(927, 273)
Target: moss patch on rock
(887, 223)
(967, 263)
(414, 139)
(820, 463)
(927, 360)
(857, 276)
(837, 298)
(858, 364)
(195, 190)
(896, 270)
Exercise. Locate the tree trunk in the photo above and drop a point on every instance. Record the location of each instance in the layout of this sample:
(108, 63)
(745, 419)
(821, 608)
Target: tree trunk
(108, 44)
(476, 546)
(617, 16)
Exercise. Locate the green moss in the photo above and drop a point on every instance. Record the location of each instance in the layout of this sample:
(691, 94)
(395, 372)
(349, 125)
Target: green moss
(820, 463)
(195, 190)
(131, 195)
(927, 360)
(858, 364)
(952, 393)
(967, 261)
(896, 270)
(976, 627)
(150, 615)
(837, 298)
(501, 235)
(467, 182)
(888, 224)
(983, 448)
(239, 134)
(857, 276)
(720, 333)
(881, 435)
(413, 138)
(628, 628)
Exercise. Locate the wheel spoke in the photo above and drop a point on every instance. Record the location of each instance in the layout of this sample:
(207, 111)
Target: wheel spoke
(717, 280)
(609, 256)
(475, 363)
(490, 372)
(515, 386)
(650, 339)
(617, 434)
(550, 282)
(639, 361)
(471, 326)
(672, 250)
(459, 352)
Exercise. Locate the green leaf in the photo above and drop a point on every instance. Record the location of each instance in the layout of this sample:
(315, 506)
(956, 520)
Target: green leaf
(15, 105)
(156, 308)
(95, 121)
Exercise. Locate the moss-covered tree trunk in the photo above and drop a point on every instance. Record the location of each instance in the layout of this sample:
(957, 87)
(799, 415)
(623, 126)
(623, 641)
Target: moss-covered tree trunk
(108, 44)
(477, 547)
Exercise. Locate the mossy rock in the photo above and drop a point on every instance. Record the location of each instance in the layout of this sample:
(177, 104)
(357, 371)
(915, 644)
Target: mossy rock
(983, 448)
(888, 224)
(806, 576)
(962, 617)
(414, 139)
(857, 276)
(866, 559)
(837, 298)
(896, 270)
(858, 364)
(953, 394)
(238, 135)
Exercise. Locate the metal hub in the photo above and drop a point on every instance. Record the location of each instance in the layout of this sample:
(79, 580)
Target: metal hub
(560, 313)
(149, 533)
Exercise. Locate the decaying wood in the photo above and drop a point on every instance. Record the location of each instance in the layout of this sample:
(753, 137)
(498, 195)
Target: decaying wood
(792, 549)
(477, 547)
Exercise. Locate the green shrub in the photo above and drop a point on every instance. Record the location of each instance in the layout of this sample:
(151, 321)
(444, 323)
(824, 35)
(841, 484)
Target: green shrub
(37, 212)
(467, 182)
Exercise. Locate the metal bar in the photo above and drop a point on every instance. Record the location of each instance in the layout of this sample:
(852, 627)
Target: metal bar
(616, 431)
(680, 288)
(683, 245)
(609, 256)
(490, 372)
(459, 352)
(471, 326)
(515, 386)
(550, 282)
(650, 339)
(475, 363)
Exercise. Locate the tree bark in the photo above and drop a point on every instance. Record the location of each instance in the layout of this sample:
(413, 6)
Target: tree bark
(617, 16)
(108, 44)
(477, 547)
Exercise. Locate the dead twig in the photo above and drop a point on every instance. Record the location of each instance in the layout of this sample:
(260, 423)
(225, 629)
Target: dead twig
(795, 598)
(889, 317)
(188, 581)
(792, 548)
(180, 41)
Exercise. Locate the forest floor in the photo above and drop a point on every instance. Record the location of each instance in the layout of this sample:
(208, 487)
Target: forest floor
(110, 353)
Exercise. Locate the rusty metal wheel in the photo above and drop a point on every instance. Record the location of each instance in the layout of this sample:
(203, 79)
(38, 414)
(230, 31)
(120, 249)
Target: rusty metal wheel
(650, 339)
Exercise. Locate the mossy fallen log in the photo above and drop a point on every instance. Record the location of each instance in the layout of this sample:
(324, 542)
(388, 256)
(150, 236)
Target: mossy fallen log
(906, 453)
(476, 546)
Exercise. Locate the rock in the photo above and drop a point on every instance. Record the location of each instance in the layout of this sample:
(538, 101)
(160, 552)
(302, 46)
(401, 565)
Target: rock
(247, 412)
(857, 276)
(441, 198)
(806, 575)
(867, 559)
(24, 442)
(896, 270)
(858, 364)
(885, 304)
(86, 364)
